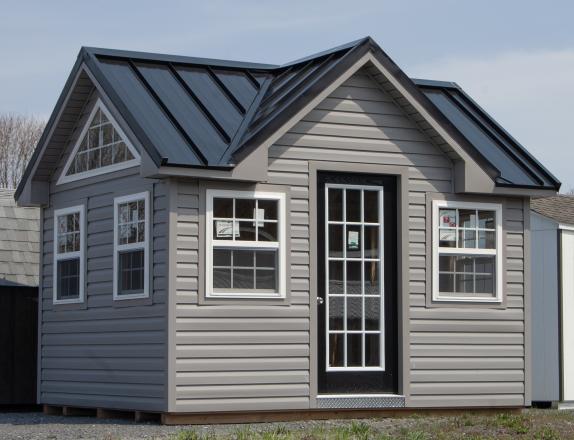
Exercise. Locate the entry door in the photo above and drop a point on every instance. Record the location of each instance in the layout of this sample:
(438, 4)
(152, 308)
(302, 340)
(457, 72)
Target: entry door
(357, 304)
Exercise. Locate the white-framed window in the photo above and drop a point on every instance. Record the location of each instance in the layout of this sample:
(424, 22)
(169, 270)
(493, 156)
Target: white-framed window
(131, 246)
(467, 251)
(102, 147)
(245, 244)
(69, 255)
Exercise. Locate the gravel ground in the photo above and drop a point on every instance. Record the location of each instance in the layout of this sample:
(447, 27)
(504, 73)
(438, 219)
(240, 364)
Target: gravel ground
(531, 424)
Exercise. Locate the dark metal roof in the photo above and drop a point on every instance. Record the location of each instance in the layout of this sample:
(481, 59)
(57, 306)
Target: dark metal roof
(198, 112)
(515, 165)
(559, 208)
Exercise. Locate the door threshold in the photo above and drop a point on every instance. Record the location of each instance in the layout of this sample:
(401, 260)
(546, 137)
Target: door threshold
(355, 401)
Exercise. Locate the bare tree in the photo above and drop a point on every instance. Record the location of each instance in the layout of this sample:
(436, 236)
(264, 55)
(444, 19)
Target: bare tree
(19, 135)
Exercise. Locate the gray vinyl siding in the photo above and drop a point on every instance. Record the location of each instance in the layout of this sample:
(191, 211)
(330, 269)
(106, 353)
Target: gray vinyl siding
(242, 357)
(105, 353)
(546, 310)
(235, 356)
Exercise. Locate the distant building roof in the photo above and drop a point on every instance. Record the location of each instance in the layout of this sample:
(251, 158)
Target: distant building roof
(559, 208)
(19, 242)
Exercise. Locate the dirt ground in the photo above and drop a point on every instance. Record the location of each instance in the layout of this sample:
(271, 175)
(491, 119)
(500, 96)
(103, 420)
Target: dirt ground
(531, 424)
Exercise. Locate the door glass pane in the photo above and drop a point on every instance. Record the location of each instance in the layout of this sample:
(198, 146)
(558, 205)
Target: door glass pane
(336, 312)
(353, 241)
(335, 240)
(372, 350)
(371, 242)
(354, 313)
(372, 282)
(335, 204)
(337, 350)
(354, 278)
(354, 350)
(336, 278)
(371, 209)
(353, 205)
(372, 313)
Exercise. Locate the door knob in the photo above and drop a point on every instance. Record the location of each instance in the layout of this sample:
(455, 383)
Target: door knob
(320, 300)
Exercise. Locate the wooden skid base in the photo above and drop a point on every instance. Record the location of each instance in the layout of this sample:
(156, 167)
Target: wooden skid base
(319, 414)
(101, 413)
(264, 416)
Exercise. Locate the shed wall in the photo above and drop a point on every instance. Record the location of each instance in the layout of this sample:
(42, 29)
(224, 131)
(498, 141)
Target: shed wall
(545, 306)
(104, 353)
(567, 274)
(243, 357)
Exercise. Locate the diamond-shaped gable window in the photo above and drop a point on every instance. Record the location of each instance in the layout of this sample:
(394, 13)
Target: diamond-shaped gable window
(101, 146)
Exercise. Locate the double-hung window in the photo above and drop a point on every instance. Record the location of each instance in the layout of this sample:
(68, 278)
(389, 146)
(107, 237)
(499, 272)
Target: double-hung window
(467, 246)
(131, 246)
(245, 245)
(69, 255)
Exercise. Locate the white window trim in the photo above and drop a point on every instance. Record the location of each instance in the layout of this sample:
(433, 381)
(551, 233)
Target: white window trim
(102, 170)
(497, 252)
(280, 245)
(131, 246)
(67, 255)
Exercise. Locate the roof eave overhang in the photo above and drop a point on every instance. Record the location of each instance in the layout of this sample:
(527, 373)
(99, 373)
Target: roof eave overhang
(24, 195)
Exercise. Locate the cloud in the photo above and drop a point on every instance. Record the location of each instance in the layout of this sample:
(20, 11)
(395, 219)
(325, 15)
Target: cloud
(530, 93)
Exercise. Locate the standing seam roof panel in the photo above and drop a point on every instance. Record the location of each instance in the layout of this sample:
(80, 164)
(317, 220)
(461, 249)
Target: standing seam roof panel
(154, 122)
(189, 115)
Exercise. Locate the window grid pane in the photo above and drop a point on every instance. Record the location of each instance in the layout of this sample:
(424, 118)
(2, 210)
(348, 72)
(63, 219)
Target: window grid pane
(131, 272)
(131, 222)
(242, 270)
(101, 146)
(247, 220)
(68, 279)
(462, 274)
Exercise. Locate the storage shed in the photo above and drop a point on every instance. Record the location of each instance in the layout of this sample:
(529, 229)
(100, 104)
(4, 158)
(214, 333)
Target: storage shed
(19, 252)
(553, 298)
(224, 237)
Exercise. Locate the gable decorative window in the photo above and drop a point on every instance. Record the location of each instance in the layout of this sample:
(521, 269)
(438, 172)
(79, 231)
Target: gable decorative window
(131, 246)
(101, 148)
(467, 251)
(69, 256)
(245, 244)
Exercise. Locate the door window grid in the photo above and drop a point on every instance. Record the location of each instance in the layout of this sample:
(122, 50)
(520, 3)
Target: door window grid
(346, 295)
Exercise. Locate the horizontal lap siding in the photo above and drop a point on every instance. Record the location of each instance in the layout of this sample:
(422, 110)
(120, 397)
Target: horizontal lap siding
(105, 354)
(460, 356)
(234, 357)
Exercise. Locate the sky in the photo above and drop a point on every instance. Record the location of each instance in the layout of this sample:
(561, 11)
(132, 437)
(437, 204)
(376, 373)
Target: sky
(515, 57)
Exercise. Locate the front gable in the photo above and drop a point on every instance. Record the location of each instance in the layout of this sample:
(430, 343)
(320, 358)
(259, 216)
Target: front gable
(101, 147)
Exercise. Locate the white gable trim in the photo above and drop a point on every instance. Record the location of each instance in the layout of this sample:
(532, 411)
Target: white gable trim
(99, 105)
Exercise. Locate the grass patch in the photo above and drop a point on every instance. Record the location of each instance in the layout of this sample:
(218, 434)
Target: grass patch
(518, 424)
